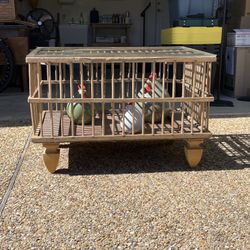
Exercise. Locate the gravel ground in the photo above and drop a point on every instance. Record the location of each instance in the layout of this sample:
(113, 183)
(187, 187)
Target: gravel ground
(149, 200)
(12, 140)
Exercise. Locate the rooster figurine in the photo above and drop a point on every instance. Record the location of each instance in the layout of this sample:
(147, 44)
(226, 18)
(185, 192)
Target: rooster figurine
(148, 108)
(74, 110)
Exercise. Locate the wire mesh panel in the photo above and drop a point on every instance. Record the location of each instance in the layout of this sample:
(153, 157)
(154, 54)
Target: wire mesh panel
(81, 94)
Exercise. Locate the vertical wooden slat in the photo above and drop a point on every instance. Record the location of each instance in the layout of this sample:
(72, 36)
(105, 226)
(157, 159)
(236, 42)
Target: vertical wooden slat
(153, 93)
(71, 94)
(61, 97)
(183, 96)
(192, 117)
(193, 79)
(71, 80)
(209, 66)
(160, 69)
(122, 79)
(183, 81)
(39, 78)
(207, 114)
(92, 97)
(123, 100)
(50, 96)
(204, 79)
(163, 97)
(123, 118)
(143, 92)
(133, 80)
(113, 97)
(173, 96)
(129, 71)
(133, 96)
(182, 118)
(136, 77)
(82, 96)
(167, 77)
(174, 80)
(88, 71)
(64, 79)
(32, 82)
(202, 116)
(193, 94)
(96, 73)
(133, 118)
(56, 84)
(209, 77)
(172, 119)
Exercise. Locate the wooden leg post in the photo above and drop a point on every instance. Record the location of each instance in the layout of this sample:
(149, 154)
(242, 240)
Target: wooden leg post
(51, 156)
(193, 151)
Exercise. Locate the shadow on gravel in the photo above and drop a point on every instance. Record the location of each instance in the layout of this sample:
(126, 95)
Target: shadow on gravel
(222, 152)
(11, 124)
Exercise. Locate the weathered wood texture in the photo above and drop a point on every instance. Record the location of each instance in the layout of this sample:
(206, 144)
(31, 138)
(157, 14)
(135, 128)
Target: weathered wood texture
(176, 105)
(7, 11)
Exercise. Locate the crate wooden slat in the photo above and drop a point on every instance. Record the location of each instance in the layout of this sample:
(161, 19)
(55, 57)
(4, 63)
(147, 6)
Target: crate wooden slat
(125, 93)
(129, 54)
(57, 129)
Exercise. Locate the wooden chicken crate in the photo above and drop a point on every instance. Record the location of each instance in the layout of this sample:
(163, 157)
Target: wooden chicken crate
(114, 94)
(7, 10)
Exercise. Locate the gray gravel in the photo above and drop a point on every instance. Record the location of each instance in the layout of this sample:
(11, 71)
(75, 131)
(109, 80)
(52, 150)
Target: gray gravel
(135, 196)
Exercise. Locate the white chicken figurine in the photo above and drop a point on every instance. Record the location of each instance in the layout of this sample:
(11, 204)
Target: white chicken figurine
(148, 107)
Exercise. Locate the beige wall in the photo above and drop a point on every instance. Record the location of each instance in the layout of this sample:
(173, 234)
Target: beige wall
(103, 6)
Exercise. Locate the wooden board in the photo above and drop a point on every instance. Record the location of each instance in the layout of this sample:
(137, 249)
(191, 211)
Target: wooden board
(7, 10)
(118, 54)
(47, 131)
(19, 47)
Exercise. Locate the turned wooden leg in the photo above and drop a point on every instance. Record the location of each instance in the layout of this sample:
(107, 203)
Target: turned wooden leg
(193, 151)
(51, 156)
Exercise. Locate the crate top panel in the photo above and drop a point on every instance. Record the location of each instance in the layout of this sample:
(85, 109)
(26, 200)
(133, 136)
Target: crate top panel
(118, 54)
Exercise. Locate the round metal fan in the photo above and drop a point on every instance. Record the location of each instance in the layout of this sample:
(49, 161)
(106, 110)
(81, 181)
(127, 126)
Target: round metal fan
(44, 21)
(7, 65)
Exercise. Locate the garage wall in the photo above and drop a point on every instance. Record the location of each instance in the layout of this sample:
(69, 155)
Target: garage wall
(103, 6)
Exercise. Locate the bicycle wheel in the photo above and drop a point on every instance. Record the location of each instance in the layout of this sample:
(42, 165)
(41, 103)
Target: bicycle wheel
(7, 65)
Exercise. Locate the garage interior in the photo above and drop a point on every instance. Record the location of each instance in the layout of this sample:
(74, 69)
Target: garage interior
(27, 24)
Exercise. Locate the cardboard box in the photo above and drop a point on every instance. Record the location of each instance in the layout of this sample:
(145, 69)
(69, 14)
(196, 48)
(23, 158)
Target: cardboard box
(238, 10)
(247, 8)
(7, 10)
(245, 22)
(242, 72)
(238, 85)
(239, 38)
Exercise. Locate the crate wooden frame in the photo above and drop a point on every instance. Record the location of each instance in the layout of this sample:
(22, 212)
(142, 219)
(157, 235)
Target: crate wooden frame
(54, 74)
(7, 11)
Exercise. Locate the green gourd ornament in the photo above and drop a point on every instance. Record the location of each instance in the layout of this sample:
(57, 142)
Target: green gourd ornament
(74, 110)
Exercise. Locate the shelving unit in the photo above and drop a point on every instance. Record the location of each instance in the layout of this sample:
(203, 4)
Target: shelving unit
(112, 30)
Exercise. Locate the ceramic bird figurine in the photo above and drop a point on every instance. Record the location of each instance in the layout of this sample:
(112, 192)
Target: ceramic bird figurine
(74, 110)
(148, 107)
(148, 93)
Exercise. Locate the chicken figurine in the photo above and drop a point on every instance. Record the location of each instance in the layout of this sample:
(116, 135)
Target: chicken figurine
(148, 107)
(74, 110)
(158, 94)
